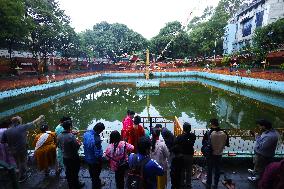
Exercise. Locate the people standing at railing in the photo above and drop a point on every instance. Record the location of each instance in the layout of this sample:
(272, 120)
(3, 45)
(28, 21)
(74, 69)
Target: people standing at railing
(45, 149)
(176, 167)
(59, 157)
(16, 138)
(265, 146)
(136, 132)
(93, 153)
(69, 145)
(168, 137)
(147, 131)
(117, 154)
(160, 153)
(5, 154)
(185, 143)
(214, 142)
(127, 124)
(143, 169)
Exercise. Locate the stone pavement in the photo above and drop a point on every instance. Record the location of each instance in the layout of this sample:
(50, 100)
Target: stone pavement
(38, 180)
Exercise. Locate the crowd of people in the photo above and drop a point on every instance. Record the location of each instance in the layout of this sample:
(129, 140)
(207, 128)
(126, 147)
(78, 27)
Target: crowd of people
(140, 157)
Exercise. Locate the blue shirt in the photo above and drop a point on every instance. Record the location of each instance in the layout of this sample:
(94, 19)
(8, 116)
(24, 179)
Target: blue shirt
(92, 147)
(266, 143)
(59, 129)
(151, 170)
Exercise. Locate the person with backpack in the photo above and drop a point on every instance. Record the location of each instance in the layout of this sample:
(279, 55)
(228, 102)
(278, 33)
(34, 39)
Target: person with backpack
(117, 154)
(160, 153)
(186, 141)
(214, 142)
(93, 153)
(143, 170)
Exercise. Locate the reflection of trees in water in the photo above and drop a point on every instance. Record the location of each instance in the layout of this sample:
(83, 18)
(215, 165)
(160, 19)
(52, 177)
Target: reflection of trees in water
(110, 102)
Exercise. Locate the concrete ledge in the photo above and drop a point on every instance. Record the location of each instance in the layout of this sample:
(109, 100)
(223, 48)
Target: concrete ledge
(273, 86)
(16, 92)
(143, 83)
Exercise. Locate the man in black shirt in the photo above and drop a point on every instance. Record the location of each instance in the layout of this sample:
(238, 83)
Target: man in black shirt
(186, 142)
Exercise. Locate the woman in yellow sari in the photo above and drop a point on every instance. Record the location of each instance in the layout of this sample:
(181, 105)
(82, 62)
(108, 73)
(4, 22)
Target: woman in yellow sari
(45, 149)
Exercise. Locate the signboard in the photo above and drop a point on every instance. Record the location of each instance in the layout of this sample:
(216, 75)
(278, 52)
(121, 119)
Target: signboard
(26, 64)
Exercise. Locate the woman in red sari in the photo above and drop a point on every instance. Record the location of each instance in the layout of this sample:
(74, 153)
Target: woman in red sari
(127, 124)
(135, 132)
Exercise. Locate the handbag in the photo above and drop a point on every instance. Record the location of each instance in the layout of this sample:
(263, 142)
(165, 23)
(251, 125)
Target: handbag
(206, 148)
(123, 163)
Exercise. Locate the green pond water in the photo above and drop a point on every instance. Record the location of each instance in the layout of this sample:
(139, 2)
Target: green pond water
(191, 101)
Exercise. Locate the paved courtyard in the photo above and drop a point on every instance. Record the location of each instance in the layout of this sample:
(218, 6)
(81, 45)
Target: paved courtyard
(236, 171)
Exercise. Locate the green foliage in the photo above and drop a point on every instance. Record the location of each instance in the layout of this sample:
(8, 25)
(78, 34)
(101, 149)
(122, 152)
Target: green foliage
(226, 61)
(171, 41)
(268, 38)
(14, 26)
(208, 28)
(282, 66)
(113, 40)
(48, 25)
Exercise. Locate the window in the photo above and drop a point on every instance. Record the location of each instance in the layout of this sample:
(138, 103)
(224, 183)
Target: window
(247, 27)
(259, 19)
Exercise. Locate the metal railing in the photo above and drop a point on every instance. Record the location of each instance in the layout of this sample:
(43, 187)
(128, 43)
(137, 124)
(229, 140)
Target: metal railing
(241, 141)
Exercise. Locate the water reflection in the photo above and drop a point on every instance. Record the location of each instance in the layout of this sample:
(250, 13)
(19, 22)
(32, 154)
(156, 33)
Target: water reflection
(190, 101)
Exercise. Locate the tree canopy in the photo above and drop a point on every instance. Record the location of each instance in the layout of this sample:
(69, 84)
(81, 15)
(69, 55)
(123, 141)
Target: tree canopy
(43, 28)
(113, 40)
(268, 38)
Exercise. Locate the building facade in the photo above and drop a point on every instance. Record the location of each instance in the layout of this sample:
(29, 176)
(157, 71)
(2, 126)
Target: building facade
(229, 37)
(257, 14)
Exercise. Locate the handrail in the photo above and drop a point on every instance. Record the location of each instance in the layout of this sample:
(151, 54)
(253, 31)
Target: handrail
(177, 127)
(241, 141)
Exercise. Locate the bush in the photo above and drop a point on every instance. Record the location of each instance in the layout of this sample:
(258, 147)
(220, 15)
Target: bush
(225, 61)
(282, 66)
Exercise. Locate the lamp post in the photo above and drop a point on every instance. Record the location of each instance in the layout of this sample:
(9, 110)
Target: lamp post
(215, 45)
(147, 65)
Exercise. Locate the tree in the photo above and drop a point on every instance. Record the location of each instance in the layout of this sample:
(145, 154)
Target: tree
(113, 40)
(171, 41)
(48, 23)
(206, 32)
(68, 43)
(268, 38)
(14, 25)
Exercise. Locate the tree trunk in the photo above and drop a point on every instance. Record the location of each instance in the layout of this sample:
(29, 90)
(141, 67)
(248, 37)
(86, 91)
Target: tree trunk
(10, 50)
(45, 68)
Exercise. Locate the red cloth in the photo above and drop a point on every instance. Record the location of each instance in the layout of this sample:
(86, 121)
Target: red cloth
(127, 124)
(134, 134)
(272, 176)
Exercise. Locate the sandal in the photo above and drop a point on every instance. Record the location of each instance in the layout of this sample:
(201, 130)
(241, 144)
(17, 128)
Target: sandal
(229, 184)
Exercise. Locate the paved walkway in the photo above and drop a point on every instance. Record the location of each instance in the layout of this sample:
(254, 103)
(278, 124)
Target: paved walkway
(39, 181)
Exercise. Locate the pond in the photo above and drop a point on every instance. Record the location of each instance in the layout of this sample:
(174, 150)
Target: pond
(194, 100)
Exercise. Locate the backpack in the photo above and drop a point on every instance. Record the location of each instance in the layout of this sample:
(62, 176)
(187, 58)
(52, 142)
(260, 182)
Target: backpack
(135, 176)
(206, 148)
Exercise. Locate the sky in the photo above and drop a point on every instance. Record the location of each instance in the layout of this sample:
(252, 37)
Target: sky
(146, 17)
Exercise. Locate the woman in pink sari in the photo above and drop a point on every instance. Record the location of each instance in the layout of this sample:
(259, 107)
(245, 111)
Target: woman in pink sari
(127, 124)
